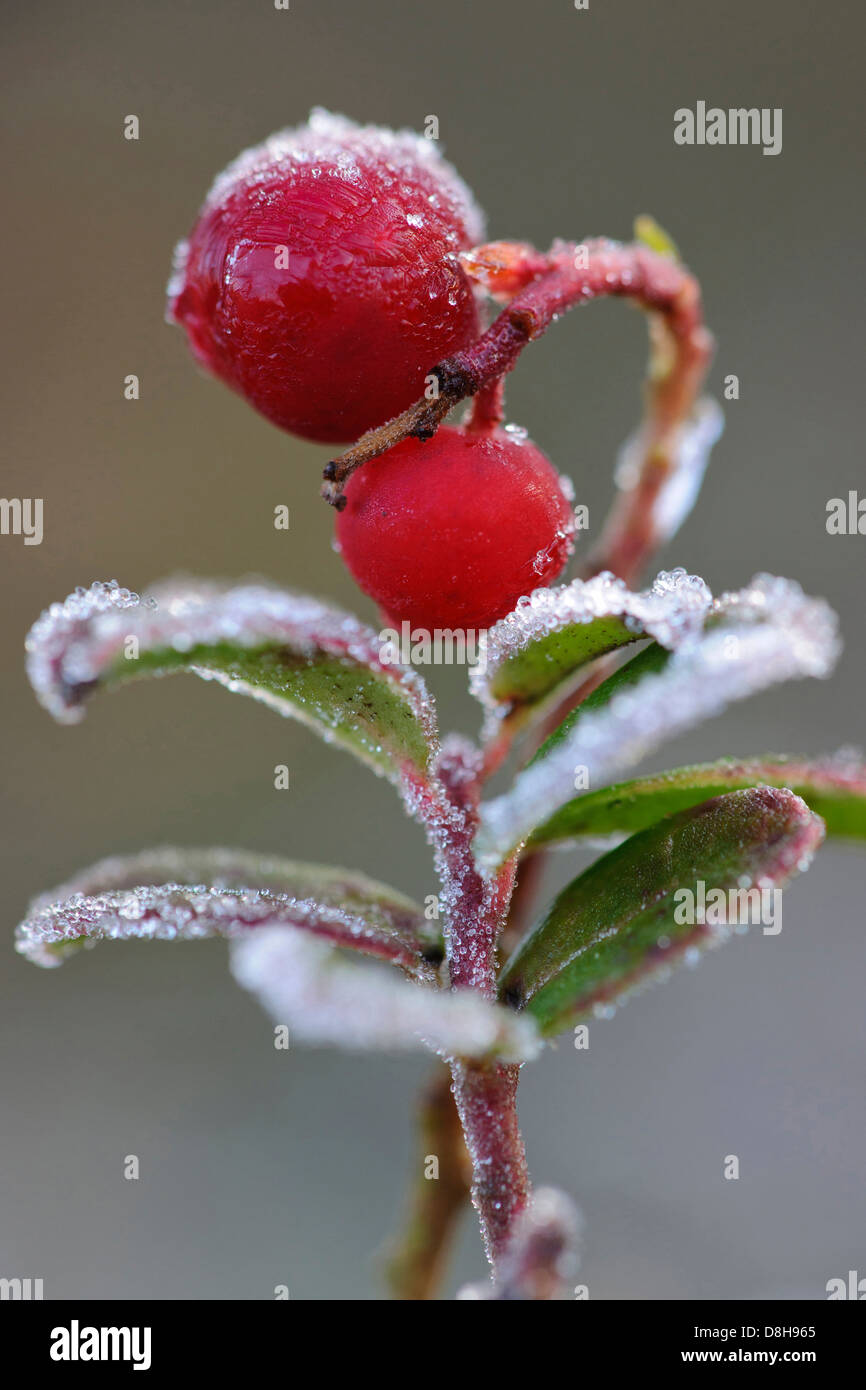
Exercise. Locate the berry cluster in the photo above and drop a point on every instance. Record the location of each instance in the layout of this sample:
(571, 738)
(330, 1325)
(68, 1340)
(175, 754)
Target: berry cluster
(334, 279)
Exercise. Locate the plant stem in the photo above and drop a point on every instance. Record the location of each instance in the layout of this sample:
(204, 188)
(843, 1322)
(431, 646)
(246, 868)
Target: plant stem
(486, 1101)
(485, 1093)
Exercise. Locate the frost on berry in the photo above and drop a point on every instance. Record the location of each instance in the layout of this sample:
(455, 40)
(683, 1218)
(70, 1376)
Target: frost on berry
(766, 633)
(322, 278)
(325, 998)
(300, 656)
(333, 146)
(183, 893)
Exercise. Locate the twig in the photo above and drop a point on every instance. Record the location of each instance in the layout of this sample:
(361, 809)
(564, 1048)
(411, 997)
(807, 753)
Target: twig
(574, 274)
(416, 1265)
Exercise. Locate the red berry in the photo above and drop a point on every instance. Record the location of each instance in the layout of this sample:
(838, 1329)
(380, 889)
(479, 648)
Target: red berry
(322, 279)
(451, 532)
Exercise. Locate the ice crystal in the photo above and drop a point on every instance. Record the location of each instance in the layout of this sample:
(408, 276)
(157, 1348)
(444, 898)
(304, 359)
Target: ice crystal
(57, 632)
(384, 911)
(324, 998)
(333, 147)
(382, 908)
(184, 912)
(336, 146)
(766, 633)
(672, 611)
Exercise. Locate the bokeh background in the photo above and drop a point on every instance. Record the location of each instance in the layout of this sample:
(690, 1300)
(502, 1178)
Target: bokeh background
(261, 1168)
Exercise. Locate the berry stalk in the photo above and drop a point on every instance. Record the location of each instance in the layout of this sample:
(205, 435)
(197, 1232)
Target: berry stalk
(543, 288)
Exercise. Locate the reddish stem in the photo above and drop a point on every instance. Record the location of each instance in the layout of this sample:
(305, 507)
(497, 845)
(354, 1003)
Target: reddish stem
(488, 407)
(568, 276)
(543, 287)
(486, 1102)
(485, 1094)
(476, 903)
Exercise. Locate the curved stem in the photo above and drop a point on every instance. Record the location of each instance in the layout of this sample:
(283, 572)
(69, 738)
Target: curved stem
(568, 276)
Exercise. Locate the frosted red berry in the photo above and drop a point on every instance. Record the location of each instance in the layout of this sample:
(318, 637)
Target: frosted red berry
(451, 532)
(322, 278)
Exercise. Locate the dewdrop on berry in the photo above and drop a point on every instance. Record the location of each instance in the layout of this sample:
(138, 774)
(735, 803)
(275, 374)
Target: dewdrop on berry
(322, 279)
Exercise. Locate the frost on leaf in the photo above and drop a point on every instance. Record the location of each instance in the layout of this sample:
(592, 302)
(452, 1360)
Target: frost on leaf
(670, 891)
(325, 998)
(178, 895)
(553, 634)
(766, 633)
(298, 655)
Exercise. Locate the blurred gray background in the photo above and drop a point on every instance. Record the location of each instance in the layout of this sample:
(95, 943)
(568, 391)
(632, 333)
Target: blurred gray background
(261, 1168)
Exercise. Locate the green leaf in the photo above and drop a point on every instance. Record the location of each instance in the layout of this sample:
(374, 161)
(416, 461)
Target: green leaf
(182, 894)
(302, 657)
(834, 787)
(292, 929)
(617, 925)
(542, 648)
(766, 633)
(538, 667)
(651, 661)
